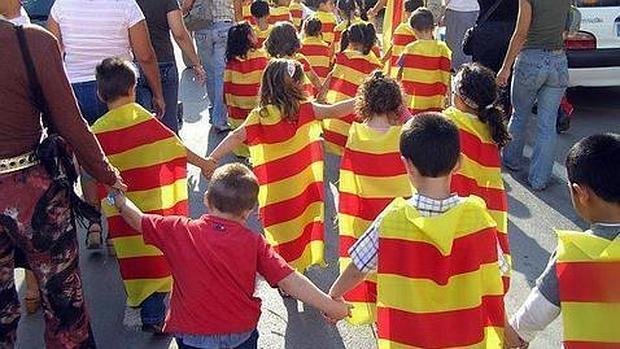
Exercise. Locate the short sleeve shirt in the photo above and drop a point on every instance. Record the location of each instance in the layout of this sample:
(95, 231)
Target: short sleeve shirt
(156, 13)
(94, 30)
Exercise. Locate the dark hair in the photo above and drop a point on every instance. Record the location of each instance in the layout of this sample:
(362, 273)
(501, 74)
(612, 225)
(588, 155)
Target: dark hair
(476, 85)
(238, 43)
(361, 33)
(349, 8)
(115, 77)
(595, 162)
(282, 41)
(320, 2)
(412, 5)
(313, 26)
(282, 86)
(233, 189)
(259, 9)
(422, 20)
(379, 94)
(431, 142)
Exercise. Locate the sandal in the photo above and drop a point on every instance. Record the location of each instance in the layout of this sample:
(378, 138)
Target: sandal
(32, 304)
(94, 238)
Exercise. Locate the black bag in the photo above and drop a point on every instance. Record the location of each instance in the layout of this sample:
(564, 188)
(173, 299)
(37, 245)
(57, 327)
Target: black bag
(470, 34)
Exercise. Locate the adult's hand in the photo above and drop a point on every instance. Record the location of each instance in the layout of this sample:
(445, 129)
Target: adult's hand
(503, 76)
(160, 107)
(201, 74)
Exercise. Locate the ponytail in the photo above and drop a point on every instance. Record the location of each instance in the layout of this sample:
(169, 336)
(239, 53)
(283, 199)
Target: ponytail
(493, 116)
(370, 38)
(361, 33)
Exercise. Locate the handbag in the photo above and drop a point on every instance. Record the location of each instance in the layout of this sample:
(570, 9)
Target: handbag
(470, 34)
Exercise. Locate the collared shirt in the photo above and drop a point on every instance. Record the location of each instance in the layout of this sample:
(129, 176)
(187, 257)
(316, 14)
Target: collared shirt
(364, 252)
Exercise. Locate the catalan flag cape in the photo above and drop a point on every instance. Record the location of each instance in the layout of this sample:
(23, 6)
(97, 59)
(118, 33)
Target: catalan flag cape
(588, 270)
(366, 189)
(426, 68)
(280, 14)
(350, 70)
(329, 22)
(297, 14)
(481, 174)
(262, 35)
(340, 28)
(288, 160)
(153, 163)
(394, 15)
(318, 54)
(438, 278)
(403, 36)
(246, 12)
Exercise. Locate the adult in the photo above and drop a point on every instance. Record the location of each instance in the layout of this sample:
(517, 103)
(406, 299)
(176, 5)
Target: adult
(540, 76)
(217, 17)
(493, 36)
(460, 15)
(90, 31)
(162, 18)
(35, 212)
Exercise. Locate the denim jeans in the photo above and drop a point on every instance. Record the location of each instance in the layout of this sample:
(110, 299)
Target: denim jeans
(170, 85)
(540, 76)
(221, 341)
(211, 43)
(90, 105)
(153, 309)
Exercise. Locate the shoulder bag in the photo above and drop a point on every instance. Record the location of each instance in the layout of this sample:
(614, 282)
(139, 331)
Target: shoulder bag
(470, 34)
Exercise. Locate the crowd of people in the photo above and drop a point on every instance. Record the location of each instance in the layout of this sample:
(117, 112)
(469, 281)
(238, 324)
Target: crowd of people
(421, 133)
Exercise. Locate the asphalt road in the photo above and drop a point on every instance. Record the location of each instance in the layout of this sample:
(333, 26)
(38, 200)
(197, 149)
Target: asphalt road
(288, 324)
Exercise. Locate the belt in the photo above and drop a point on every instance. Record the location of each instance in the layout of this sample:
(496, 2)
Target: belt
(18, 163)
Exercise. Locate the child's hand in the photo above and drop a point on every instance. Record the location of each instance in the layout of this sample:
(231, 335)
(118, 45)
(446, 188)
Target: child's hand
(208, 167)
(338, 311)
(512, 338)
(117, 198)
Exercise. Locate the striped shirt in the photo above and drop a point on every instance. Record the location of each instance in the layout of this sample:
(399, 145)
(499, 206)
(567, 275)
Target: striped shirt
(93, 30)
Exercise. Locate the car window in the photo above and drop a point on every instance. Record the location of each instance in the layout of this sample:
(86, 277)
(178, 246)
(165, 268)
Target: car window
(597, 3)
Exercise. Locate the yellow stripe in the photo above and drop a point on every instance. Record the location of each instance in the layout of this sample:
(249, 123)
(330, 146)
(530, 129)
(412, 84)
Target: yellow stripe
(313, 255)
(134, 246)
(426, 76)
(263, 153)
(352, 226)
(120, 118)
(139, 290)
(333, 148)
(349, 74)
(493, 339)
(154, 199)
(248, 103)
(367, 140)
(591, 322)
(249, 78)
(337, 126)
(486, 177)
(290, 230)
(319, 61)
(373, 187)
(463, 291)
(363, 313)
(333, 96)
(501, 219)
(290, 187)
(159, 152)
(580, 247)
(470, 123)
(434, 102)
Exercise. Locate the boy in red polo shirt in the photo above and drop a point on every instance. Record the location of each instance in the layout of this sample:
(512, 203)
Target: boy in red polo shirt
(214, 261)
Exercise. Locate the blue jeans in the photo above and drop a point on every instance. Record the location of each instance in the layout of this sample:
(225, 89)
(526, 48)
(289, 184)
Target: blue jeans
(540, 76)
(170, 85)
(222, 341)
(90, 105)
(153, 309)
(211, 43)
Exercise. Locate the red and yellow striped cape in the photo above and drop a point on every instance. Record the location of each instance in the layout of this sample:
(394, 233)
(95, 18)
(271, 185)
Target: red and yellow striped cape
(365, 190)
(288, 160)
(394, 15)
(328, 21)
(426, 76)
(318, 54)
(588, 268)
(297, 14)
(262, 35)
(403, 36)
(481, 173)
(153, 163)
(350, 70)
(438, 278)
(246, 12)
(280, 14)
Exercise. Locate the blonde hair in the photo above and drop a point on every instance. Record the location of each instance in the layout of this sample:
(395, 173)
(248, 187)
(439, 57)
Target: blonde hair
(282, 87)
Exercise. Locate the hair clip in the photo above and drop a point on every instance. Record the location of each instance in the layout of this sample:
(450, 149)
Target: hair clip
(290, 67)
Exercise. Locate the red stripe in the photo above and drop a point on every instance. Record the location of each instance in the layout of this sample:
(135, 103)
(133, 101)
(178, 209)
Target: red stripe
(288, 166)
(118, 228)
(279, 18)
(425, 62)
(297, 14)
(590, 345)
(293, 250)
(421, 89)
(420, 260)
(343, 86)
(155, 176)
(322, 72)
(152, 267)
(238, 113)
(589, 281)
(496, 199)
(365, 208)
(397, 16)
(402, 39)
(394, 61)
(358, 63)
(282, 131)
(345, 244)
(365, 292)
(457, 328)
(248, 66)
(147, 132)
(365, 164)
(334, 138)
(486, 154)
(327, 27)
(414, 111)
(241, 89)
(287, 210)
(315, 50)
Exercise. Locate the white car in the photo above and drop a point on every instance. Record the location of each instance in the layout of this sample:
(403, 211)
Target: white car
(594, 50)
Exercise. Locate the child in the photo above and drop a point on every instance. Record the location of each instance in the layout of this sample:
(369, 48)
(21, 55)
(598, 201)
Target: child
(280, 12)
(483, 133)
(260, 13)
(246, 12)
(403, 35)
(325, 14)
(424, 66)
(283, 42)
(365, 188)
(152, 161)
(284, 137)
(581, 279)
(435, 254)
(297, 13)
(315, 49)
(349, 15)
(244, 67)
(351, 68)
(214, 260)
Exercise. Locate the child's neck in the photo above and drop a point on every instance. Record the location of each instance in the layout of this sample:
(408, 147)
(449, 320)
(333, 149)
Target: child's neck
(606, 213)
(424, 35)
(121, 101)
(356, 46)
(434, 188)
(379, 122)
(262, 23)
(228, 216)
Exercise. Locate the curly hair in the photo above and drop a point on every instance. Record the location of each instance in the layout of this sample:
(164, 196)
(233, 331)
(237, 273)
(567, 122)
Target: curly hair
(379, 95)
(282, 86)
(283, 41)
(313, 27)
(238, 43)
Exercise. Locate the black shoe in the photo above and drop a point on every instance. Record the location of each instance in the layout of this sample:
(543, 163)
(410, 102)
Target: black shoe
(155, 329)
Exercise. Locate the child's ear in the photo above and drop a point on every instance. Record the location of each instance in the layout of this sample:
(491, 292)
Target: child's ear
(582, 194)
(458, 164)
